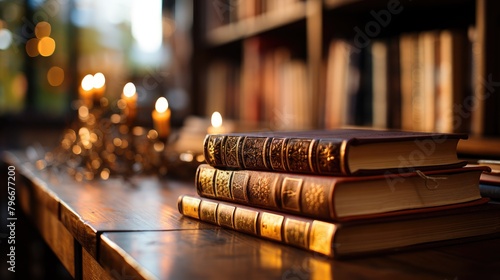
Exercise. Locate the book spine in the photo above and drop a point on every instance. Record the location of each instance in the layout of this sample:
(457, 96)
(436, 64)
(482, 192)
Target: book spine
(295, 155)
(297, 194)
(309, 234)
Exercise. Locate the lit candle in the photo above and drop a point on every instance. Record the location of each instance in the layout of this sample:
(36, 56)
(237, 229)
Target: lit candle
(99, 84)
(161, 117)
(130, 97)
(86, 90)
(216, 121)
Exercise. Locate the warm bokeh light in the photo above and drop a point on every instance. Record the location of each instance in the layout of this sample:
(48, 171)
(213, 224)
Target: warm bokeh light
(83, 112)
(129, 89)
(88, 82)
(105, 174)
(42, 29)
(161, 105)
(46, 46)
(19, 85)
(216, 119)
(5, 38)
(115, 118)
(55, 76)
(32, 47)
(99, 80)
(146, 20)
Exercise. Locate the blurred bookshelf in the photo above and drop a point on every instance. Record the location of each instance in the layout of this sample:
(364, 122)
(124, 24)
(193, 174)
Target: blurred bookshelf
(411, 65)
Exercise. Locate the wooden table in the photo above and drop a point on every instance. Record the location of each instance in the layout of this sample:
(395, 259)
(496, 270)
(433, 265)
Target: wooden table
(132, 230)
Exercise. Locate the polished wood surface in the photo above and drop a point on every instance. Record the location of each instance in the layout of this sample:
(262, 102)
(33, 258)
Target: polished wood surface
(131, 229)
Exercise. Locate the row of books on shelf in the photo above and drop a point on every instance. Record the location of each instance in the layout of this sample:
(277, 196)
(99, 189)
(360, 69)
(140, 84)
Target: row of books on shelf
(226, 12)
(326, 192)
(269, 85)
(416, 81)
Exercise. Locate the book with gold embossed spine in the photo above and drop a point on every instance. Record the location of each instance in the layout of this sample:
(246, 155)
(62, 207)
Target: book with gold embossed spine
(349, 238)
(332, 198)
(333, 152)
(305, 233)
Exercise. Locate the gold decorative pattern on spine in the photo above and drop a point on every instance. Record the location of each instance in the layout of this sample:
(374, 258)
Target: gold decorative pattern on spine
(277, 154)
(270, 226)
(190, 207)
(253, 153)
(222, 183)
(315, 199)
(297, 232)
(208, 211)
(231, 151)
(290, 193)
(246, 220)
(260, 190)
(328, 157)
(322, 237)
(298, 155)
(210, 150)
(239, 185)
(205, 181)
(225, 215)
(217, 141)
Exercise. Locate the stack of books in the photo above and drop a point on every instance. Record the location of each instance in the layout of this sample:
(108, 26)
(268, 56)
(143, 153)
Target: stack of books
(342, 192)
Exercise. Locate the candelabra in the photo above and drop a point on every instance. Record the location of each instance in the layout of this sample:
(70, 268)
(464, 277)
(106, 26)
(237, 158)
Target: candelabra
(102, 142)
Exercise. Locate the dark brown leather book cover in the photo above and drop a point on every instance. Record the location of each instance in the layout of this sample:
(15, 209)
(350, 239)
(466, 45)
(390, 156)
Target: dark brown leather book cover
(325, 197)
(325, 152)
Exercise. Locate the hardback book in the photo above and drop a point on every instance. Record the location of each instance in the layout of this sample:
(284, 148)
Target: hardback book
(359, 237)
(333, 198)
(333, 152)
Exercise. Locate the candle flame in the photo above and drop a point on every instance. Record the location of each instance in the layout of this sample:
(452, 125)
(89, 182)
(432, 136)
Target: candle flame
(161, 105)
(216, 119)
(99, 80)
(88, 82)
(129, 89)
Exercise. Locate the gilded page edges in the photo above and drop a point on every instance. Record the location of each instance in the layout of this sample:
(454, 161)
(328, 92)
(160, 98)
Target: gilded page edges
(245, 220)
(271, 226)
(191, 206)
(321, 239)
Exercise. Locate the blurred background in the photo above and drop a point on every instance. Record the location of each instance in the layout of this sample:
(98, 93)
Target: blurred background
(429, 65)
(277, 64)
(47, 47)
